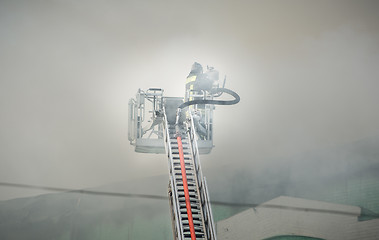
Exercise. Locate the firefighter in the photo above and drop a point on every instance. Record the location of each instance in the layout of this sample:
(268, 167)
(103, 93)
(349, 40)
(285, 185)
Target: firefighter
(192, 79)
(198, 85)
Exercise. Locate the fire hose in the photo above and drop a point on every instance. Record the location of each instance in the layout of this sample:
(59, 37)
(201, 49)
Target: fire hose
(215, 91)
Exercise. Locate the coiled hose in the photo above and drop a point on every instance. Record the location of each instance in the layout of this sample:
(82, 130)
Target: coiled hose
(213, 91)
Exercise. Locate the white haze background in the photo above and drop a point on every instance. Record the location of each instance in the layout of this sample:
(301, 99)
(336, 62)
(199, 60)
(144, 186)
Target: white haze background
(307, 73)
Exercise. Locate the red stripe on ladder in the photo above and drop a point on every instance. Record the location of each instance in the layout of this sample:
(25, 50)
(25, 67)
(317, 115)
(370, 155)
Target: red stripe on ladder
(185, 186)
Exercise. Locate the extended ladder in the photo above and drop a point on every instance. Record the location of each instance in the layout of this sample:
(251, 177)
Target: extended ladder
(189, 198)
(181, 128)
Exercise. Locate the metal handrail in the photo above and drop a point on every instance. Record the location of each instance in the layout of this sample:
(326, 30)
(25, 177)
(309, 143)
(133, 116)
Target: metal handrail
(178, 221)
(202, 184)
(210, 214)
(132, 121)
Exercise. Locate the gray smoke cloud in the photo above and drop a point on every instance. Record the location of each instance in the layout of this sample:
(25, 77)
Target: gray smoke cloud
(306, 72)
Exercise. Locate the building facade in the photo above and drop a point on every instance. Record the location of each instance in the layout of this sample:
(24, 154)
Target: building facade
(296, 218)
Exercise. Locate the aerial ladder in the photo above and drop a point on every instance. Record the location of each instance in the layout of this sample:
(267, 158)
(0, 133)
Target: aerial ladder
(182, 128)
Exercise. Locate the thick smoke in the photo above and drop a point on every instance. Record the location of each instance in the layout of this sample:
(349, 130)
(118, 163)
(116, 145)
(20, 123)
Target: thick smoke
(306, 72)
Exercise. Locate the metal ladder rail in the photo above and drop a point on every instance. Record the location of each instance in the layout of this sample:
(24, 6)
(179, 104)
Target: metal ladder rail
(178, 231)
(195, 201)
(178, 206)
(186, 189)
(204, 194)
